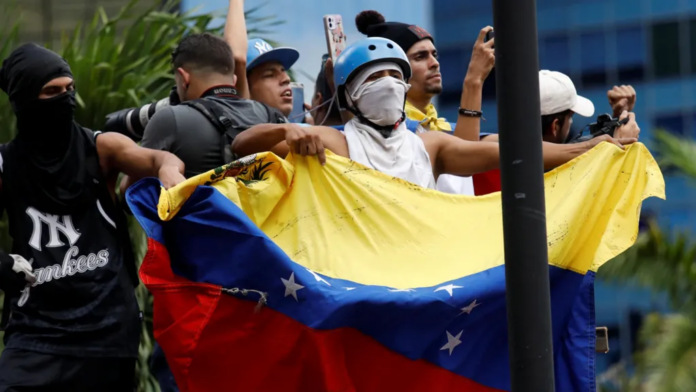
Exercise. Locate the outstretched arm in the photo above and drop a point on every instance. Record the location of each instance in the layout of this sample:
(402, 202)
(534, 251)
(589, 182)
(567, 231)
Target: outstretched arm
(480, 66)
(451, 155)
(118, 153)
(283, 138)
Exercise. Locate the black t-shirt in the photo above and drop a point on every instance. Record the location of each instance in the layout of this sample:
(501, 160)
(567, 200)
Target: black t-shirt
(83, 303)
(188, 134)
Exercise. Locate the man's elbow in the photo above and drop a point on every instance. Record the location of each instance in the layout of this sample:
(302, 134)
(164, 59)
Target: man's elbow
(239, 147)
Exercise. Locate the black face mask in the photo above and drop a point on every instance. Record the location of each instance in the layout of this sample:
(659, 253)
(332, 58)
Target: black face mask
(53, 161)
(47, 122)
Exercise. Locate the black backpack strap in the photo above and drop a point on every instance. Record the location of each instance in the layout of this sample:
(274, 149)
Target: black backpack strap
(7, 303)
(222, 122)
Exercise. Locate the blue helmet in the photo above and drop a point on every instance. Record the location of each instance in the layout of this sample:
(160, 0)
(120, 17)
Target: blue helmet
(363, 53)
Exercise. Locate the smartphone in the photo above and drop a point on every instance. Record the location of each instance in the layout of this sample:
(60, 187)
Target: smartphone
(335, 36)
(298, 111)
(602, 342)
(489, 36)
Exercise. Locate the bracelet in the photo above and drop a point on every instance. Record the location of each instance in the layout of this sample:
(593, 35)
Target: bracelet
(471, 113)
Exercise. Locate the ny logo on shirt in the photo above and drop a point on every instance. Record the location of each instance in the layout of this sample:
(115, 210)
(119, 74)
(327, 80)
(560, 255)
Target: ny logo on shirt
(55, 224)
(263, 47)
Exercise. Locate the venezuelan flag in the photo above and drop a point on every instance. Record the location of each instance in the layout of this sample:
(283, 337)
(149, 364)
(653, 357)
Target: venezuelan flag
(272, 274)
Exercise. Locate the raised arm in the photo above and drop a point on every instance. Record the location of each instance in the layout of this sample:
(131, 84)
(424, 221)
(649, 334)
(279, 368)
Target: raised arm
(451, 155)
(480, 66)
(236, 36)
(118, 153)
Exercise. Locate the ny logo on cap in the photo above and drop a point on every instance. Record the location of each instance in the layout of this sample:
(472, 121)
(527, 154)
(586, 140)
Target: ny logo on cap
(263, 47)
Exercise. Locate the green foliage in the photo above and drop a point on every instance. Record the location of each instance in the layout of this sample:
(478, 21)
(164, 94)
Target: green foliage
(119, 62)
(664, 262)
(661, 262)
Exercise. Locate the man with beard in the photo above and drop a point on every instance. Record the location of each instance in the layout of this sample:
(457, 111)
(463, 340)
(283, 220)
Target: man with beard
(426, 83)
(69, 283)
(370, 78)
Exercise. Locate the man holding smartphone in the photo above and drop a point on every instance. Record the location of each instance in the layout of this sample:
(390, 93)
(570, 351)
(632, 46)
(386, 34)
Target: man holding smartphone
(426, 83)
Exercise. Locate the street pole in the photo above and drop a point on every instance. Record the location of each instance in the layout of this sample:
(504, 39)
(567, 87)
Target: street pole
(524, 212)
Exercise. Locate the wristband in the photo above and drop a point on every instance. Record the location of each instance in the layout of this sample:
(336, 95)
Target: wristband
(471, 113)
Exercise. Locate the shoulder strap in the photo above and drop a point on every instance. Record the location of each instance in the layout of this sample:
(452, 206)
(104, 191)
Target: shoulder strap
(217, 116)
(7, 304)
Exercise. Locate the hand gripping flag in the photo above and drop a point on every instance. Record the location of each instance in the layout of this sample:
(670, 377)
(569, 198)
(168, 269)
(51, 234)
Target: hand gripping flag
(272, 274)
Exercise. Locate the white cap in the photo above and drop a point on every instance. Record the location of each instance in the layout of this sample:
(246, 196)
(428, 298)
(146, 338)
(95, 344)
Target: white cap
(558, 94)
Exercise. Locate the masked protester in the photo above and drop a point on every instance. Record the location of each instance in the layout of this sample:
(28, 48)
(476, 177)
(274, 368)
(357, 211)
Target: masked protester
(69, 283)
(426, 83)
(370, 78)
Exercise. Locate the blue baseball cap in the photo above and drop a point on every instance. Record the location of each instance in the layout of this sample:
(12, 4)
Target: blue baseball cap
(260, 51)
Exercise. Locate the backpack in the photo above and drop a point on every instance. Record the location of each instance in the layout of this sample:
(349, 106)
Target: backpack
(218, 116)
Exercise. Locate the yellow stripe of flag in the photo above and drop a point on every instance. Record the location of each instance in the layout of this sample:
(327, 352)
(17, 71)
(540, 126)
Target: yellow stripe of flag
(347, 221)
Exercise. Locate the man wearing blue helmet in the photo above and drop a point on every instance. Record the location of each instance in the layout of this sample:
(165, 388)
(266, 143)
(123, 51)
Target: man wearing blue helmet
(370, 80)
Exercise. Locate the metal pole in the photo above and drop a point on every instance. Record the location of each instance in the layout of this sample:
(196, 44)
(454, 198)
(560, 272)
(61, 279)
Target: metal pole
(524, 212)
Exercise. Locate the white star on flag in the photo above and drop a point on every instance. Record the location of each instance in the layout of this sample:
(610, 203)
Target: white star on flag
(452, 342)
(291, 287)
(448, 288)
(349, 288)
(317, 277)
(468, 309)
(401, 290)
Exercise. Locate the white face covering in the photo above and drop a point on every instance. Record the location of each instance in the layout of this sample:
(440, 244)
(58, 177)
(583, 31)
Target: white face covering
(381, 101)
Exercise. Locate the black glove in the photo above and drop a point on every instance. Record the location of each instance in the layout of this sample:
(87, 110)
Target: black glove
(15, 273)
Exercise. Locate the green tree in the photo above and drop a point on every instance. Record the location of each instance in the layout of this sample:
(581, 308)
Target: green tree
(666, 263)
(118, 62)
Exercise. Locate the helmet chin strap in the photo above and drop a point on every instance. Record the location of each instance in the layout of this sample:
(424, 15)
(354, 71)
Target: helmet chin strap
(384, 130)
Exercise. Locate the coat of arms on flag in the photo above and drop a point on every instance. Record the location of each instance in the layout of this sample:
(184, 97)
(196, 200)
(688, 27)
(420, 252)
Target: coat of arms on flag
(272, 274)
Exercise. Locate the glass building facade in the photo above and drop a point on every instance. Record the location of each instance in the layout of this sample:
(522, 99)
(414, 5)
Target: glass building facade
(650, 44)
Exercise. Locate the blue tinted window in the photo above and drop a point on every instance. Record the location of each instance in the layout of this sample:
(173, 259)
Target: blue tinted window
(673, 123)
(631, 54)
(593, 61)
(453, 66)
(556, 54)
(593, 51)
(449, 8)
(692, 44)
(630, 46)
(666, 55)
